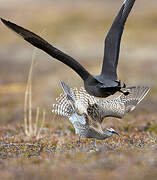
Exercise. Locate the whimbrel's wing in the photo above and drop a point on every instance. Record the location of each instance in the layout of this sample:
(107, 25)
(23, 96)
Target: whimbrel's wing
(73, 101)
(112, 41)
(63, 106)
(40, 43)
(135, 96)
(121, 105)
(65, 102)
(69, 93)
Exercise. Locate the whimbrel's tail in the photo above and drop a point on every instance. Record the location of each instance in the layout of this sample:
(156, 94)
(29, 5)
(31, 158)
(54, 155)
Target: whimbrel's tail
(135, 96)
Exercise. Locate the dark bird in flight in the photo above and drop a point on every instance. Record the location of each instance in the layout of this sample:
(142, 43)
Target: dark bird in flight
(86, 113)
(107, 82)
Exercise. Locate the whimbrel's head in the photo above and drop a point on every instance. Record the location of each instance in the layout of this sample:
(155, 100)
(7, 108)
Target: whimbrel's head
(110, 131)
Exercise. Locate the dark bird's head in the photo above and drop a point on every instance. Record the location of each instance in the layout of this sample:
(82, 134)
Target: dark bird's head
(110, 131)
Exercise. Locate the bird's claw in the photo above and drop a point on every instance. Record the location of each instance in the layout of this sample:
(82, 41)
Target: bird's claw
(125, 93)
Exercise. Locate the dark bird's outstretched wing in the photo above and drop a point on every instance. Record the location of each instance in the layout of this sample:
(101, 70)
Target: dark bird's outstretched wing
(40, 43)
(112, 41)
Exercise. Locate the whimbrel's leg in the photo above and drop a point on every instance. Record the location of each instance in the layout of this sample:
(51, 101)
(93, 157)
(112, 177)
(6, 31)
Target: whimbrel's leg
(94, 143)
(79, 142)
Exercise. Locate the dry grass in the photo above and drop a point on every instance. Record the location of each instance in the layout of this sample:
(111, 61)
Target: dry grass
(31, 126)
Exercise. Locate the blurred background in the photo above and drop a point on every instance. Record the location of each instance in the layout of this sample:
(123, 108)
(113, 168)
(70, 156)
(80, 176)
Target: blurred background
(79, 29)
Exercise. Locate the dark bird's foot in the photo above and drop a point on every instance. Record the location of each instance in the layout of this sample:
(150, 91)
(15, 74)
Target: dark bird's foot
(125, 93)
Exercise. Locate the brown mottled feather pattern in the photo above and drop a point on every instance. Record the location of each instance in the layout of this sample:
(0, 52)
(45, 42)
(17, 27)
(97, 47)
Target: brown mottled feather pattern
(99, 109)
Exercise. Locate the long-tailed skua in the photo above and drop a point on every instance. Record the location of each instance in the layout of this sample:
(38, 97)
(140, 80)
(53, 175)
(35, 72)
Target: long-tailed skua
(107, 82)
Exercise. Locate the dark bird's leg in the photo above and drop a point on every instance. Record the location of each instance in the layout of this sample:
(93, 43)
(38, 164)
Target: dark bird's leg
(122, 85)
(125, 93)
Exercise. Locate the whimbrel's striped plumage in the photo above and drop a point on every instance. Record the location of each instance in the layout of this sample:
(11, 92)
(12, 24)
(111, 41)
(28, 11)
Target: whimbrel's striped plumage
(86, 113)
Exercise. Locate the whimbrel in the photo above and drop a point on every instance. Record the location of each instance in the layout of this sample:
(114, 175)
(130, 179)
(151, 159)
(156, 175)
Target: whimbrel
(86, 113)
(107, 82)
